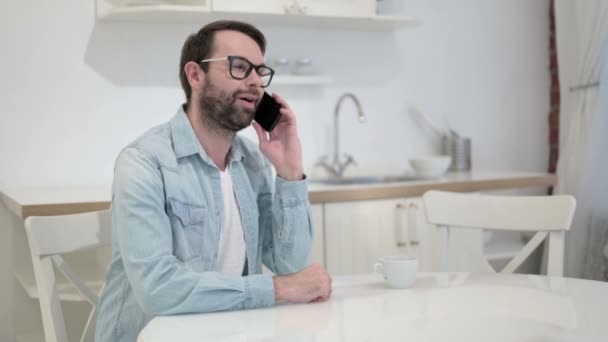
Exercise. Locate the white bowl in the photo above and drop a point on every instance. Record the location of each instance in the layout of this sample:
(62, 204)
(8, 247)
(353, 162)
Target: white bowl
(431, 167)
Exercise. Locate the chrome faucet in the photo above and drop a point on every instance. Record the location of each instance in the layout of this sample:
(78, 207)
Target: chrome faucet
(336, 167)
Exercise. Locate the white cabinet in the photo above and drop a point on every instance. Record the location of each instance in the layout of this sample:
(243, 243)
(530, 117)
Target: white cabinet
(308, 7)
(364, 8)
(250, 6)
(334, 14)
(358, 233)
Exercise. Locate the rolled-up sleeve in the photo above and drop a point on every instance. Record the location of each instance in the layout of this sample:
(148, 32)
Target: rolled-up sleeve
(161, 283)
(288, 230)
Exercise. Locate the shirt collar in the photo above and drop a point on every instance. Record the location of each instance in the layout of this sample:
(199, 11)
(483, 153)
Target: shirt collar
(186, 144)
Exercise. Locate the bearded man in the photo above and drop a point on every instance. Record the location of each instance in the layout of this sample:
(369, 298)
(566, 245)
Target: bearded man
(197, 209)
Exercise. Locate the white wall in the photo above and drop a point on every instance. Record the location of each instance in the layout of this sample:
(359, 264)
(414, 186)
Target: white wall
(73, 91)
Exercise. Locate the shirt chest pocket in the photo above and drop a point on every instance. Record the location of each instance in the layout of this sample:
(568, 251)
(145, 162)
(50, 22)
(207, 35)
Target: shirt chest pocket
(190, 229)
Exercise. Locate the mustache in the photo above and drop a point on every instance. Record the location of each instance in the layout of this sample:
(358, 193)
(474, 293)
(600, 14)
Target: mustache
(238, 93)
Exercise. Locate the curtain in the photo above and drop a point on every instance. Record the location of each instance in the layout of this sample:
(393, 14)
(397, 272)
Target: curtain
(582, 170)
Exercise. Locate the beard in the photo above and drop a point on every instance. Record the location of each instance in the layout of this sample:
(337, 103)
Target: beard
(220, 109)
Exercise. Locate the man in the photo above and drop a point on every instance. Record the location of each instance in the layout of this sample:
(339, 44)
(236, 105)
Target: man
(196, 209)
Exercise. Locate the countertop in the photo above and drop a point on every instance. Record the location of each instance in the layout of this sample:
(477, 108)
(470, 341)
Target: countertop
(457, 182)
(26, 202)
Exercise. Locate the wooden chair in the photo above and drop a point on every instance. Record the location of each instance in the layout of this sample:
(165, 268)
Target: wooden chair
(51, 236)
(549, 216)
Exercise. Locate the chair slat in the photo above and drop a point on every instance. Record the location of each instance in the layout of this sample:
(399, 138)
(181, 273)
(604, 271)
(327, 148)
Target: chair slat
(50, 307)
(74, 279)
(547, 215)
(514, 213)
(555, 255)
(536, 240)
(45, 231)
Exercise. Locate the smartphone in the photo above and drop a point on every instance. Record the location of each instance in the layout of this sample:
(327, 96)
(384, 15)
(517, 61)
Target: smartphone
(268, 113)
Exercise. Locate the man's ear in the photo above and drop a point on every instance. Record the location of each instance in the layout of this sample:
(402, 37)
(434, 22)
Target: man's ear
(194, 74)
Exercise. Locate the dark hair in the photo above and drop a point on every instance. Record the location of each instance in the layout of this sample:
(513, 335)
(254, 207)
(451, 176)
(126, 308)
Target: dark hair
(199, 45)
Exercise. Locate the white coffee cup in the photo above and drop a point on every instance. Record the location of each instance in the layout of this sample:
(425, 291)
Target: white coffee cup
(399, 270)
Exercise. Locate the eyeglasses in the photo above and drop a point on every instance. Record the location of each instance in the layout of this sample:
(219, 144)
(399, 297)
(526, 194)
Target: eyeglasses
(240, 68)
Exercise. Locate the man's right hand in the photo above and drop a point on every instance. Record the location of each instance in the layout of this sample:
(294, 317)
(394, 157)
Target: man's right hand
(310, 284)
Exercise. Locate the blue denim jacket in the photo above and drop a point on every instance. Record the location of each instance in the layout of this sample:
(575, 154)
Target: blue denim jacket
(166, 211)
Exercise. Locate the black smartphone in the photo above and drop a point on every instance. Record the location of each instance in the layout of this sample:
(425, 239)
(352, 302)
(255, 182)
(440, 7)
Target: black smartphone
(268, 113)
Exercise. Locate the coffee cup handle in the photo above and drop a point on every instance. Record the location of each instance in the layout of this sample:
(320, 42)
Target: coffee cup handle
(378, 266)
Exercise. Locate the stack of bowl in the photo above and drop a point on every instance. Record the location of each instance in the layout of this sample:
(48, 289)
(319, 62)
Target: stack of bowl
(430, 167)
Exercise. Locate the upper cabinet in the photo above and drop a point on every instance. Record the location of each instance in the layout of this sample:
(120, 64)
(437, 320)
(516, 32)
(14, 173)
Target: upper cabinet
(340, 14)
(340, 8)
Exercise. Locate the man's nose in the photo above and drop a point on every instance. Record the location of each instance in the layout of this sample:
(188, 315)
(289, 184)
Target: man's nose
(254, 79)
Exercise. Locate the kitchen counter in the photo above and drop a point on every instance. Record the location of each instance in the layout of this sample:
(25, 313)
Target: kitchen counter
(75, 199)
(457, 182)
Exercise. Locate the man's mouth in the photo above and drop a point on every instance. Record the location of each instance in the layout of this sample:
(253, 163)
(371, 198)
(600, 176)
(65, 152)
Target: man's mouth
(248, 100)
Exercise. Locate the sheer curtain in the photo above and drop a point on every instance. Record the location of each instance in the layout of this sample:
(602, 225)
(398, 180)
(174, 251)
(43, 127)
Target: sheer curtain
(582, 43)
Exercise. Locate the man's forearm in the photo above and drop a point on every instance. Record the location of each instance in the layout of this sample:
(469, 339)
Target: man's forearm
(288, 242)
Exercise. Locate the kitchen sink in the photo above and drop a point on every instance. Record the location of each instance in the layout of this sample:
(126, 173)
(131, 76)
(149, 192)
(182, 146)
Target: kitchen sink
(366, 180)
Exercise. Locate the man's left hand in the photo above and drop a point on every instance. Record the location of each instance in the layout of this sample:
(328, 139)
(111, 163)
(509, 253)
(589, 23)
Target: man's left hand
(282, 146)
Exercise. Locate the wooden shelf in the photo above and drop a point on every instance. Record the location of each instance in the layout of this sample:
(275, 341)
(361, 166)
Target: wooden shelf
(201, 15)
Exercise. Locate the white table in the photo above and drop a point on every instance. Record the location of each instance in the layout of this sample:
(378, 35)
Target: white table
(438, 307)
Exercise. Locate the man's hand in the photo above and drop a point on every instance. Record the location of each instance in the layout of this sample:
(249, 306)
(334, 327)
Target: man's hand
(312, 284)
(282, 146)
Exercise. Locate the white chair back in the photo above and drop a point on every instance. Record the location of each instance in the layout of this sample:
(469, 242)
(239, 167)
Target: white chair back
(549, 216)
(51, 236)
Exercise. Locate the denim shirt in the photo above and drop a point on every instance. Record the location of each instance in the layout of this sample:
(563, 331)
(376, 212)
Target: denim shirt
(166, 212)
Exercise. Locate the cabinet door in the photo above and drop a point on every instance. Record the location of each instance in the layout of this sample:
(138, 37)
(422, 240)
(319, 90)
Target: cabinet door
(339, 7)
(250, 6)
(415, 236)
(358, 233)
(302, 7)
(318, 246)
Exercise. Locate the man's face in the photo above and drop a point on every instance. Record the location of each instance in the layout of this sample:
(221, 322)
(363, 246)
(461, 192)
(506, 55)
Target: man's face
(231, 103)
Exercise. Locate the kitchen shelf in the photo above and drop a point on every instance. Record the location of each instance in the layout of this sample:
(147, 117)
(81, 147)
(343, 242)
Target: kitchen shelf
(201, 15)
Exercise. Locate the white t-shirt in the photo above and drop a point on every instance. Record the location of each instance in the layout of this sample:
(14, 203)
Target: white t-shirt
(231, 253)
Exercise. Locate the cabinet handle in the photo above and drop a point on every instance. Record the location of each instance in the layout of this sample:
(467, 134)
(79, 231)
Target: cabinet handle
(405, 244)
(412, 223)
(401, 234)
(406, 214)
